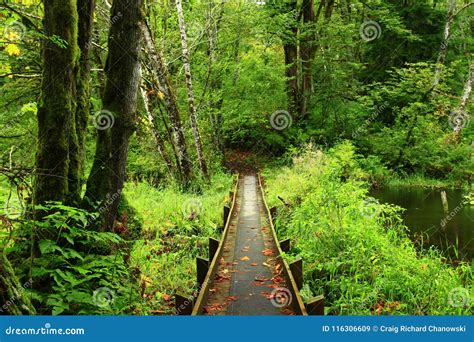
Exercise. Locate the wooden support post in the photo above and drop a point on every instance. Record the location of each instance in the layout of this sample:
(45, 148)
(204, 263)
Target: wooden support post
(315, 307)
(183, 305)
(273, 213)
(285, 245)
(226, 214)
(296, 268)
(202, 266)
(213, 246)
(444, 200)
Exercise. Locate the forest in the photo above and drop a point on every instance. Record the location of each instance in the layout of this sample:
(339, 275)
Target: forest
(126, 126)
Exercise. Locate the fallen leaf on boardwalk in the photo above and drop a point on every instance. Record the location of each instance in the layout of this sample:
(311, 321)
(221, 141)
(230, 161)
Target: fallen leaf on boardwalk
(213, 290)
(261, 279)
(231, 298)
(253, 264)
(287, 311)
(221, 277)
(213, 307)
(267, 252)
(235, 263)
(245, 249)
(233, 271)
(265, 264)
(278, 269)
(277, 279)
(245, 258)
(256, 283)
(266, 294)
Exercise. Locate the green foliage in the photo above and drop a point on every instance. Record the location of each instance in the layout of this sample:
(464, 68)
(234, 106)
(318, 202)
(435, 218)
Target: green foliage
(172, 237)
(356, 251)
(74, 270)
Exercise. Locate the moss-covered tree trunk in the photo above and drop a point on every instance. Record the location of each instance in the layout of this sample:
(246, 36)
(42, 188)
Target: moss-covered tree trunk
(13, 298)
(57, 107)
(119, 102)
(290, 48)
(81, 115)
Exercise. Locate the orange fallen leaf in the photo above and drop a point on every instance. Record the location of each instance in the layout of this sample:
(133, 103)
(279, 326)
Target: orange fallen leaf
(245, 258)
(253, 264)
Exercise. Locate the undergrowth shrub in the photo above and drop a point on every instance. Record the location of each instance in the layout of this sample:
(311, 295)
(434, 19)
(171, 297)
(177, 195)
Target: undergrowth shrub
(72, 268)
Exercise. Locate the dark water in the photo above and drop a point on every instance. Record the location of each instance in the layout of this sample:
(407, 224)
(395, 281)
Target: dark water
(425, 216)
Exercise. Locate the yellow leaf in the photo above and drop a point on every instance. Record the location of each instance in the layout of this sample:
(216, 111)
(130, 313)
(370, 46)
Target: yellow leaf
(161, 95)
(12, 50)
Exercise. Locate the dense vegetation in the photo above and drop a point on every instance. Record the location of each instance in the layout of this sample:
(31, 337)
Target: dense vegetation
(122, 123)
(357, 251)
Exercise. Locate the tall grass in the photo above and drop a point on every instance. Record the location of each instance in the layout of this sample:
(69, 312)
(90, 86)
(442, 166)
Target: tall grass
(357, 252)
(176, 227)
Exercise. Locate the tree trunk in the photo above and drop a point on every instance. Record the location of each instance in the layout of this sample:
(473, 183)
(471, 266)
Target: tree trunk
(307, 50)
(160, 143)
(13, 300)
(461, 115)
(78, 135)
(444, 45)
(169, 100)
(290, 48)
(189, 84)
(57, 108)
(119, 114)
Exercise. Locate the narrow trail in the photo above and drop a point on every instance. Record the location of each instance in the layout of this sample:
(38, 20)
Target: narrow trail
(248, 271)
